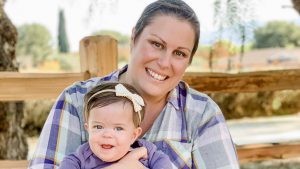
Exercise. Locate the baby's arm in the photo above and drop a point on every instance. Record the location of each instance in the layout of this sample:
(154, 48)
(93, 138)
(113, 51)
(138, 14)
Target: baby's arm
(156, 158)
(160, 160)
(70, 162)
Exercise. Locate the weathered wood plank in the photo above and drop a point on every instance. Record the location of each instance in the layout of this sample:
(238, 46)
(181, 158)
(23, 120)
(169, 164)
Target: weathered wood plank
(260, 153)
(244, 82)
(23, 86)
(98, 55)
(20, 86)
(13, 164)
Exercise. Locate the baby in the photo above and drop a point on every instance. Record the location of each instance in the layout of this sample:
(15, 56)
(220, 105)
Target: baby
(113, 114)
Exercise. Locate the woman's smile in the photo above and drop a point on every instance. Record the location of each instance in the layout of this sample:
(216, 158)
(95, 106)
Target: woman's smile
(155, 75)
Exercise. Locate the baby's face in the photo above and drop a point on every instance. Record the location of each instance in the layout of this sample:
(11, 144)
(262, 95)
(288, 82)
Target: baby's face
(111, 131)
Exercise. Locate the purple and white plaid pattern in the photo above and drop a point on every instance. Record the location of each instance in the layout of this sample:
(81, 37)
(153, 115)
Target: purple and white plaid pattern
(191, 129)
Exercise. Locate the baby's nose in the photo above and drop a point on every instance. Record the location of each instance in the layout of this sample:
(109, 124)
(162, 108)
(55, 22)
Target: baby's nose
(107, 132)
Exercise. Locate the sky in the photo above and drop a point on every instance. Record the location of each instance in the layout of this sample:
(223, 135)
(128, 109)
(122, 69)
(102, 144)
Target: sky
(121, 15)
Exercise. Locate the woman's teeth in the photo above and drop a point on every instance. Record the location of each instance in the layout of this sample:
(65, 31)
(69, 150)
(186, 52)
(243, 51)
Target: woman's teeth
(156, 76)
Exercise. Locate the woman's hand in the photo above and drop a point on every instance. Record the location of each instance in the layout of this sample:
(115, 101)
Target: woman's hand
(131, 160)
(137, 154)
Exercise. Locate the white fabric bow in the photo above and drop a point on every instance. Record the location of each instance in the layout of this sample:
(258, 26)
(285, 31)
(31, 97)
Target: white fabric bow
(122, 91)
(137, 100)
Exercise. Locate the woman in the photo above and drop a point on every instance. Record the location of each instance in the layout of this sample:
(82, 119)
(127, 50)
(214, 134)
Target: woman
(183, 123)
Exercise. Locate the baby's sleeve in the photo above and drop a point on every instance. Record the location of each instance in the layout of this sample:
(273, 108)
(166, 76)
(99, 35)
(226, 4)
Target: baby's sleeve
(70, 162)
(156, 158)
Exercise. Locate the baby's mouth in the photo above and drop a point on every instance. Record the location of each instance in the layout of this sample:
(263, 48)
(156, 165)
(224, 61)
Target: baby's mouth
(106, 146)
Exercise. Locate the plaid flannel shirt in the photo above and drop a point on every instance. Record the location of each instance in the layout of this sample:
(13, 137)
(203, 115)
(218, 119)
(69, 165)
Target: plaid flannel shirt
(191, 129)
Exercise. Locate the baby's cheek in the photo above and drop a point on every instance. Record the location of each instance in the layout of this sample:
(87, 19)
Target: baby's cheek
(94, 137)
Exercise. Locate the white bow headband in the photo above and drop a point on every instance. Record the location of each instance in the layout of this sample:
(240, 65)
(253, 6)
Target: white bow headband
(121, 91)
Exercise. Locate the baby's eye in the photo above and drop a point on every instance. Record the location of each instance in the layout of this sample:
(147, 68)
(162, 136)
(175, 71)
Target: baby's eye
(98, 127)
(118, 128)
(179, 53)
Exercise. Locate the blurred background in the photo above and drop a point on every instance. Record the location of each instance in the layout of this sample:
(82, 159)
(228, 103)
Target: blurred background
(236, 36)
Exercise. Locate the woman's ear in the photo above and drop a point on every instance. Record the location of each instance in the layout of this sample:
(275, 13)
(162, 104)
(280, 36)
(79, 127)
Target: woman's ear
(132, 38)
(136, 133)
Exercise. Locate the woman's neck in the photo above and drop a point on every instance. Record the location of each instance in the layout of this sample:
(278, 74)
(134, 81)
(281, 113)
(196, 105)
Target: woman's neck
(152, 111)
(154, 105)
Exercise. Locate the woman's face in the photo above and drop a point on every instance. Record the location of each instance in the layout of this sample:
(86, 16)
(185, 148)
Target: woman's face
(160, 56)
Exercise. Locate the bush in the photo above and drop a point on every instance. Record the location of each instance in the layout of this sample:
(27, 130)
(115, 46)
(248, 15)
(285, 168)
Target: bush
(35, 115)
(239, 105)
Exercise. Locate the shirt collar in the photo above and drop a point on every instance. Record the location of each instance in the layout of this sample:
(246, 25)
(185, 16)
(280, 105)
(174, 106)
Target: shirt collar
(173, 98)
(177, 96)
(114, 76)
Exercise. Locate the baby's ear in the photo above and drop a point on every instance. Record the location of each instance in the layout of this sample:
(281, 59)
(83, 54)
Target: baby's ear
(137, 132)
(86, 126)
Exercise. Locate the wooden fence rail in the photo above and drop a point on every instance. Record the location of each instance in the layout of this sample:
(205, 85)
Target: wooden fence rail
(43, 86)
(98, 56)
(23, 86)
(268, 152)
(244, 82)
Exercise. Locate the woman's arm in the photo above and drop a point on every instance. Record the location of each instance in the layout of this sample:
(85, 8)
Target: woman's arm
(213, 147)
(61, 133)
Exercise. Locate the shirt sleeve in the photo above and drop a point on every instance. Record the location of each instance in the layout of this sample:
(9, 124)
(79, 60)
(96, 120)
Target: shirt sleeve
(160, 160)
(61, 133)
(156, 158)
(213, 147)
(70, 162)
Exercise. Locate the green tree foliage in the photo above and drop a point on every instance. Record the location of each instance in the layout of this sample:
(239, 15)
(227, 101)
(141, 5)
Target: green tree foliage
(277, 34)
(122, 39)
(63, 44)
(236, 14)
(34, 40)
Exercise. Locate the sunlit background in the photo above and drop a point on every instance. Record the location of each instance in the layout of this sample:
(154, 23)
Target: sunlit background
(255, 35)
(220, 47)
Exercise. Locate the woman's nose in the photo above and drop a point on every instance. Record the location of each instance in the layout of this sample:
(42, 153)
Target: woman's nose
(164, 60)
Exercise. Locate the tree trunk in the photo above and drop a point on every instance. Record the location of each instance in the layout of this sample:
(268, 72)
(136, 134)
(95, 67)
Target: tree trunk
(13, 143)
(210, 59)
(242, 51)
(296, 4)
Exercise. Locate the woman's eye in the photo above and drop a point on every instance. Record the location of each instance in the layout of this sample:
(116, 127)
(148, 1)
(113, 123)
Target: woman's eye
(179, 53)
(157, 45)
(118, 128)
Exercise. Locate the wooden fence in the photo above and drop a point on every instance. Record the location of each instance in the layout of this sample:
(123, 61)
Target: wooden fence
(98, 56)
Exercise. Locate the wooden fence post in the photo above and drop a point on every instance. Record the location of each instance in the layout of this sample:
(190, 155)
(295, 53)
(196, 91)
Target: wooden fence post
(98, 55)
